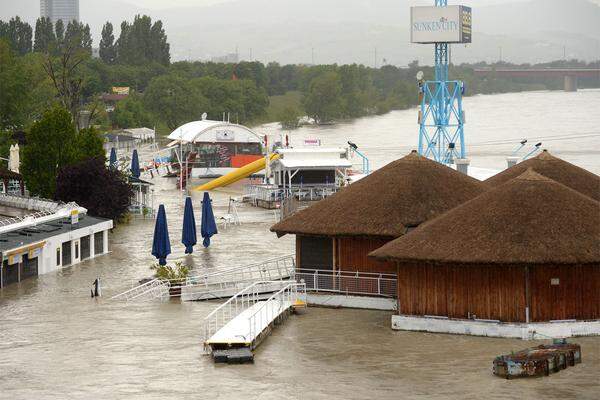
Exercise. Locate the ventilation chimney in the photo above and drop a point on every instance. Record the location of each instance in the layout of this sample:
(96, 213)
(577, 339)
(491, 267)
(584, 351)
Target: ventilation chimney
(462, 165)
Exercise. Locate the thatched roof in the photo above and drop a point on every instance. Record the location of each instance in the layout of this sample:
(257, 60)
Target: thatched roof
(401, 195)
(554, 168)
(528, 220)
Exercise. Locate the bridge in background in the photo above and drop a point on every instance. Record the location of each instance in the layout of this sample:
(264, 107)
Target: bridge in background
(570, 75)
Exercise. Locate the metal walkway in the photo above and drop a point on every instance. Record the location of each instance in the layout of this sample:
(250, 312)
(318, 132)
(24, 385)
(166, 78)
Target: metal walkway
(214, 285)
(249, 316)
(228, 282)
(154, 289)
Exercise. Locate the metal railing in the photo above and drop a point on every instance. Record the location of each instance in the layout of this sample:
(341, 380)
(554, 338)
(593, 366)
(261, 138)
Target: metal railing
(273, 193)
(32, 203)
(242, 301)
(272, 269)
(155, 288)
(348, 282)
(293, 294)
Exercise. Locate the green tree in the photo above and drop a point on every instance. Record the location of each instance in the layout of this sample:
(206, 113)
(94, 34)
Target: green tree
(44, 35)
(88, 144)
(173, 100)
(18, 34)
(323, 102)
(142, 42)
(130, 113)
(289, 117)
(50, 146)
(59, 33)
(78, 35)
(107, 44)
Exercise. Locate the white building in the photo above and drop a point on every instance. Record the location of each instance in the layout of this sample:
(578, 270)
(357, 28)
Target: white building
(65, 10)
(45, 236)
(143, 134)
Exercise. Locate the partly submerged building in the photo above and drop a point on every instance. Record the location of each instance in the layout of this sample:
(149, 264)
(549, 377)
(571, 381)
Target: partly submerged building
(554, 168)
(521, 260)
(336, 234)
(40, 236)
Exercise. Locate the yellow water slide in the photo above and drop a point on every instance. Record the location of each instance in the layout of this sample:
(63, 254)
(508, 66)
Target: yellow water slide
(236, 175)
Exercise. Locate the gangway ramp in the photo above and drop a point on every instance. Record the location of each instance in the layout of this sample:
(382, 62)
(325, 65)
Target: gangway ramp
(153, 289)
(226, 283)
(247, 318)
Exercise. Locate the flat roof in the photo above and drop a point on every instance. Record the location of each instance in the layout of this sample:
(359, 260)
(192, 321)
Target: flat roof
(40, 232)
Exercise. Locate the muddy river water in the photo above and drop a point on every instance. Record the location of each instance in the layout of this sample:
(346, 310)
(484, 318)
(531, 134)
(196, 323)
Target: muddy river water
(58, 343)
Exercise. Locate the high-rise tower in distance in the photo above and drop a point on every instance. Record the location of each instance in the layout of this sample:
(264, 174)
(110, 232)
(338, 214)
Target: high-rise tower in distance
(67, 10)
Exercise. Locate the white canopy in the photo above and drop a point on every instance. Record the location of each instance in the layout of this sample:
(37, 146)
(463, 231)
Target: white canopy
(207, 131)
(313, 158)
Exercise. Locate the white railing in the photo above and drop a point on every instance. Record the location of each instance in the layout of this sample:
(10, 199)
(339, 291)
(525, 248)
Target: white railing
(245, 299)
(273, 193)
(155, 288)
(293, 294)
(273, 269)
(348, 282)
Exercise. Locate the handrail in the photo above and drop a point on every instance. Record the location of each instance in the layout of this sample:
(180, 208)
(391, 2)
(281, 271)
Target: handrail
(135, 289)
(348, 282)
(284, 294)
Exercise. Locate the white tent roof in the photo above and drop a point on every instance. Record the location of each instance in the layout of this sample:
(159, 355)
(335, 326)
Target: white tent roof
(214, 132)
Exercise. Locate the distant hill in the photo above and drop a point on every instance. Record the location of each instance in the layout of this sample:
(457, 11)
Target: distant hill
(350, 30)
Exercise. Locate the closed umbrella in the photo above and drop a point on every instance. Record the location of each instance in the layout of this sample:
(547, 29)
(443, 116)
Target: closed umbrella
(113, 158)
(208, 226)
(188, 235)
(135, 165)
(161, 245)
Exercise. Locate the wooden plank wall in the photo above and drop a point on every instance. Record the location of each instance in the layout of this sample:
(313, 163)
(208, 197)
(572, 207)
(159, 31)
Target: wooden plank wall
(485, 292)
(576, 296)
(353, 251)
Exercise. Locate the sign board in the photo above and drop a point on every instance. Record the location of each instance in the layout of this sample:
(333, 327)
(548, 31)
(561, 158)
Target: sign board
(33, 253)
(120, 90)
(225, 135)
(74, 217)
(450, 24)
(15, 259)
(312, 142)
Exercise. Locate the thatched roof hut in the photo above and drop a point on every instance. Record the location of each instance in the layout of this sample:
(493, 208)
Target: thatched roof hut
(528, 250)
(530, 219)
(387, 203)
(554, 168)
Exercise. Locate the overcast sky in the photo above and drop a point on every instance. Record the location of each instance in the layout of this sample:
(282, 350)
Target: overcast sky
(157, 4)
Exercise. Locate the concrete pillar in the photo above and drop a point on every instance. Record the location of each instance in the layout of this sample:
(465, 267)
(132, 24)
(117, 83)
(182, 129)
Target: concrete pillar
(570, 83)
(511, 161)
(462, 165)
(92, 246)
(105, 233)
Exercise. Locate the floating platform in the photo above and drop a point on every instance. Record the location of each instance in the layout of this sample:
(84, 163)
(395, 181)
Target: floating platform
(542, 360)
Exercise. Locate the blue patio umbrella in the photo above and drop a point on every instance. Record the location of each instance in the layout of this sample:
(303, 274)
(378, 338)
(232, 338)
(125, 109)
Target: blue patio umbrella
(161, 245)
(135, 164)
(188, 235)
(208, 226)
(113, 158)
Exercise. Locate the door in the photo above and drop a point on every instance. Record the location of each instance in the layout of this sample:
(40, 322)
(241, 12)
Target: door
(76, 251)
(66, 253)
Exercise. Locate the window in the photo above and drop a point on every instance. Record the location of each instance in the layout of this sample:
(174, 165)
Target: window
(57, 256)
(76, 250)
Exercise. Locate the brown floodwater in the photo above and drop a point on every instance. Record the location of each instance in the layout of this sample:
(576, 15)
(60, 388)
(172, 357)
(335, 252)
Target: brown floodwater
(58, 343)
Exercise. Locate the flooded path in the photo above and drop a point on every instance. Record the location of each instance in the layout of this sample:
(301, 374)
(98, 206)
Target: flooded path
(57, 343)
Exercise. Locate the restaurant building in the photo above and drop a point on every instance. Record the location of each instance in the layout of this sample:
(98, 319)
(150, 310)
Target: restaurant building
(521, 260)
(39, 236)
(335, 235)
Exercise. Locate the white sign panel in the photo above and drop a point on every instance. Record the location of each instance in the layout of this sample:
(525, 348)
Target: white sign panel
(451, 24)
(225, 135)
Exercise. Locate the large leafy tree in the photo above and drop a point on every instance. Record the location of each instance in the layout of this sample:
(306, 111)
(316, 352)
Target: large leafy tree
(131, 113)
(45, 38)
(105, 192)
(323, 102)
(107, 44)
(59, 33)
(78, 35)
(50, 146)
(174, 100)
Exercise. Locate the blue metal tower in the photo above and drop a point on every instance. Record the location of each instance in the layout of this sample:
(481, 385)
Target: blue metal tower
(441, 118)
